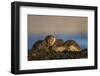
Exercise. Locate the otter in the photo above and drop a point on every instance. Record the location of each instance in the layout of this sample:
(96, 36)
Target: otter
(55, 44)
(50, 39)
(59, 49)
(59, 45)
(71, 45)
(44, 45)
(59, 42)
(40, 45)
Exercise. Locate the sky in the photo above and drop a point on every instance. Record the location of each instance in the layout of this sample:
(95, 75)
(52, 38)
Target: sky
(38, 24)
(62, 27)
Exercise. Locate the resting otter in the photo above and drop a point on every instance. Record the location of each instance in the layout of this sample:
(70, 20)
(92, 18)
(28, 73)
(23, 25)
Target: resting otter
(71, 45)
(41, 47)
(59, 49)
(45, 44)
(55, 44)
(50, 39)
(59, 42)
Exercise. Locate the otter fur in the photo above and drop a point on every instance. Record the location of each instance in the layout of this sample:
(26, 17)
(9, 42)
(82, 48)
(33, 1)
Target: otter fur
(71, 45)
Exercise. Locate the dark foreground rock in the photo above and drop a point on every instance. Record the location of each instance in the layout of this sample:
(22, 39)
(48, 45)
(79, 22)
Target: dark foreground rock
(43, 55)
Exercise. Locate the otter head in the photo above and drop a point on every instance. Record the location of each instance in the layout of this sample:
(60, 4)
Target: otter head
(50, 39)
